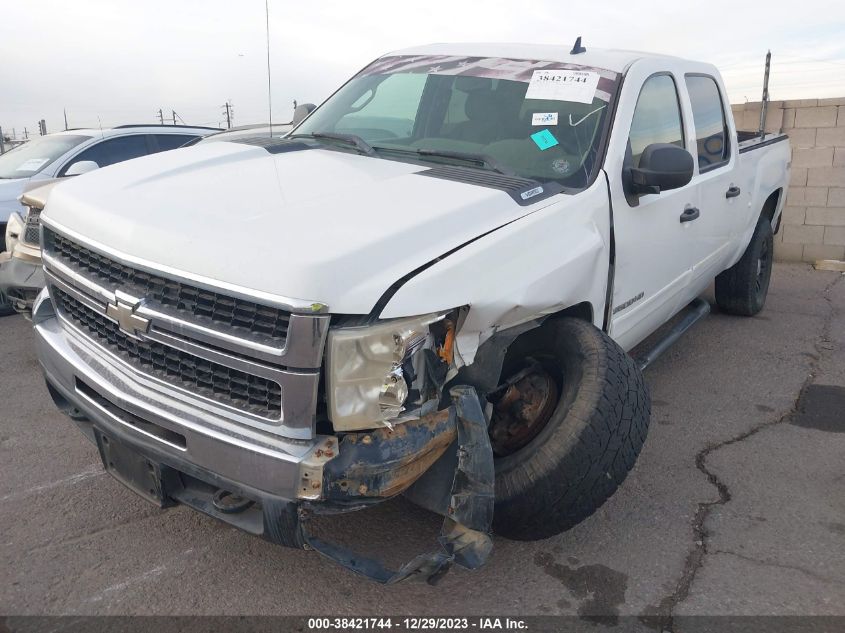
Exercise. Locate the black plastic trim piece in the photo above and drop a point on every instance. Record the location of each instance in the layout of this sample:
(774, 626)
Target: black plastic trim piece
(771, 141)
(611, 265)
(523, 191)
(274, 145)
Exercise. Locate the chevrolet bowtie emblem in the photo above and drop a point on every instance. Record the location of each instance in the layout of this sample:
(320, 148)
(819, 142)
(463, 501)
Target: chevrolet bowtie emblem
(123, 311)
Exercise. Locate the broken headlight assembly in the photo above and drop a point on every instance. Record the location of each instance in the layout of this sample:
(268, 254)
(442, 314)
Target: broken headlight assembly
(380, 374)
(14, 231)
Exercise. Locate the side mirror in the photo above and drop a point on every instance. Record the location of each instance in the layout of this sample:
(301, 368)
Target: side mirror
(81, 167)
(302, 111)
(663, 166)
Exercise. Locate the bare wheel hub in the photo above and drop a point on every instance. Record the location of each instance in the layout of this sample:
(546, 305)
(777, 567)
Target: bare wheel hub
(522, 407)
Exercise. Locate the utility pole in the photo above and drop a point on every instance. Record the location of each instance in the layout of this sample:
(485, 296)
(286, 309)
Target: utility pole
(764, 105)
(229, 114)
(2, 142)
(65, 111)
(25, 133)
(160, 116)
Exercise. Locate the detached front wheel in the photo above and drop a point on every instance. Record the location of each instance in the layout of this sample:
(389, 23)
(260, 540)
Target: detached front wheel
(569, 421)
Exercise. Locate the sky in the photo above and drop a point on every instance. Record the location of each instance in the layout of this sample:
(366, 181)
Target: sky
(109, 62)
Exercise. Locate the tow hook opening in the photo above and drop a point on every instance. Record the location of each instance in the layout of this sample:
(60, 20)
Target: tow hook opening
(229, 503)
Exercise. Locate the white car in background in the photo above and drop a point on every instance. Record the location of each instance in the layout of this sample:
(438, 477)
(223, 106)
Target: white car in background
(76, 152)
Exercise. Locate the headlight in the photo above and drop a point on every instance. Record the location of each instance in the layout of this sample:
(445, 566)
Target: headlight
(14, 230)
(371, 370)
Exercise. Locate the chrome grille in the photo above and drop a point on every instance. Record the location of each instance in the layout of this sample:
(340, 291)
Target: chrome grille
(31, 232)
(254, 364)
(255, 394)
(231, 312)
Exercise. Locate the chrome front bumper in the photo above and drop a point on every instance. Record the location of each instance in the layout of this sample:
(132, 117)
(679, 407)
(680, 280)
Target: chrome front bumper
(114, 399)
(188, 455)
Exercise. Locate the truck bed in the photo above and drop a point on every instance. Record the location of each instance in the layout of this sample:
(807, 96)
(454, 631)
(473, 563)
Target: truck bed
(749, 141)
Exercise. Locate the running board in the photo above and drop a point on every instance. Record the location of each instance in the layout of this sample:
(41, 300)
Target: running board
(696, 310)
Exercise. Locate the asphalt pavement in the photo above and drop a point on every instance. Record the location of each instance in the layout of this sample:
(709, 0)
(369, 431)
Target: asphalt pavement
(736, 505)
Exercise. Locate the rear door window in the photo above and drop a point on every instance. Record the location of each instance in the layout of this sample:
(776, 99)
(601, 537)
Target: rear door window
(711, 127)
(172, 141)
(112, 150)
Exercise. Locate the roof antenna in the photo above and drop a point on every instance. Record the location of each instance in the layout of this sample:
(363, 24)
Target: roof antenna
(577, 48)
(269, 85)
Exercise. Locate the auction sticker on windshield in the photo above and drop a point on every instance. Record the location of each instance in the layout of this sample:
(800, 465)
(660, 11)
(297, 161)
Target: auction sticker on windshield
(563, 85)
(33, 164)
(544, 118)
(544, 139)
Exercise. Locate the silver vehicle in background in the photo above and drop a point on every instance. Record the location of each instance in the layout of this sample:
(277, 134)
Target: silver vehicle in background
(48, 159)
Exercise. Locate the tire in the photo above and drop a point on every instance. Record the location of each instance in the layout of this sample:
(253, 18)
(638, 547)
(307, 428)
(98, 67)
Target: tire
(6, 308)
(742, 288)
(590, 442)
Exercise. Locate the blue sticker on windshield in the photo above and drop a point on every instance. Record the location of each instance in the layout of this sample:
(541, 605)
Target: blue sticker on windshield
(544, 139)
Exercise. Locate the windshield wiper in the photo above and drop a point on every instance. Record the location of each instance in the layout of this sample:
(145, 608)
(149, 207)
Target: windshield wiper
(478, 159)
(350, 139)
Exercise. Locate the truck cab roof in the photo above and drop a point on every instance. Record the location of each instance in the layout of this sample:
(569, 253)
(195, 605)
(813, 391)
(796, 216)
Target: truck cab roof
(611, 59)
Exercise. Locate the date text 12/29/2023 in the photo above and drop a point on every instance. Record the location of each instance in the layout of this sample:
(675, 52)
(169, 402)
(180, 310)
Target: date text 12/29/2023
(417, 623)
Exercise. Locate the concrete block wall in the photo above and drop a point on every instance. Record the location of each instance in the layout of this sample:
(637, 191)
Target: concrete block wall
(813, 224)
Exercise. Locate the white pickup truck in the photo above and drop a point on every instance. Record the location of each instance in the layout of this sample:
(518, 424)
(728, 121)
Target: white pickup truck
(429, 287)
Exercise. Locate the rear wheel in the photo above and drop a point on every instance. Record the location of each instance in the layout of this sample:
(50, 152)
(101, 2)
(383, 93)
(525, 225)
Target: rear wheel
(569, 421)
(742, 288)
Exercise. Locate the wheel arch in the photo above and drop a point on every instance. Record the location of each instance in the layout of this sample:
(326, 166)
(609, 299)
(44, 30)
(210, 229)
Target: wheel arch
(770, 208)
(484, 372)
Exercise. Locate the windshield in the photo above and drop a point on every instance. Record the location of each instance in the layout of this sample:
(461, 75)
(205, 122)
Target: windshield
(540, 120)
(28, 159)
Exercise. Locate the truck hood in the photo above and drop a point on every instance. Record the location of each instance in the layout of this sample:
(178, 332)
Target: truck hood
(316, 225)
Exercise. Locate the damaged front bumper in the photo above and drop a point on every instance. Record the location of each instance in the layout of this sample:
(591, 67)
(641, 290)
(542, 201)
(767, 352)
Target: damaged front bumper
(270, 487)
(22, 277)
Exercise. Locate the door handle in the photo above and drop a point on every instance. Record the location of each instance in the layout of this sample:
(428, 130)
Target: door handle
(732, 192)
(690, 214)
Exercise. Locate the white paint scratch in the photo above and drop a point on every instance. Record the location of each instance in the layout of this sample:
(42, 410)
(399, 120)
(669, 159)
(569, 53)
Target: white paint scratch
(93, 471)
(120, 586)
(155, 572)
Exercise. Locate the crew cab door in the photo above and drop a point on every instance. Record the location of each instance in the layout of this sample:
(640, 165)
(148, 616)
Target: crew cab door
(653, 242)
(720, 197)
